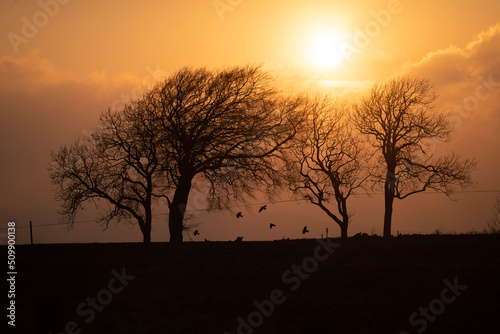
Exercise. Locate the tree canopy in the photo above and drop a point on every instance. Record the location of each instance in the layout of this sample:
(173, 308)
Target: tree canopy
(227, 129)
(399, 119)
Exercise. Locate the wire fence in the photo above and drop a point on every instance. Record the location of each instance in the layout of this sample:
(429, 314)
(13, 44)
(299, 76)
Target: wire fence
(259, 204)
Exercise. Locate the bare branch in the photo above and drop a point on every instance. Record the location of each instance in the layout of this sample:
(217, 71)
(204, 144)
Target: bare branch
(399, 119)
(327, 161)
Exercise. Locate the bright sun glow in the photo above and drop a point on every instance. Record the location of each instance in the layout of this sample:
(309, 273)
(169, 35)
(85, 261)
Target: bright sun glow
(326, 50)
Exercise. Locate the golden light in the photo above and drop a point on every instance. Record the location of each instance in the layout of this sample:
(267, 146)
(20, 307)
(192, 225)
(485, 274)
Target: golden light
(326, 50)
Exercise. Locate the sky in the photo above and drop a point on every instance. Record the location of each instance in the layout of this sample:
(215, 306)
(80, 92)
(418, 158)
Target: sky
(64, 62)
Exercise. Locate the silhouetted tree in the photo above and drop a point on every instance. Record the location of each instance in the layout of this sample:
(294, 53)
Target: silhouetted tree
(328, 162)
(494, 223)
(222, 129)
(118, 163)
(399, 119)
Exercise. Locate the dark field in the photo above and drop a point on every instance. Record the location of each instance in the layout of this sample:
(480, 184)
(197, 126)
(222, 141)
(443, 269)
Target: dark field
(367, 285)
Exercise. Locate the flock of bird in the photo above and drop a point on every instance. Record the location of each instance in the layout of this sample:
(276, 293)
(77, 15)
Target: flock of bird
(240, 215)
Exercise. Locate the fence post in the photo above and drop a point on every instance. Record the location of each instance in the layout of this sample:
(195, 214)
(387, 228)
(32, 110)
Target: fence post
(31, 232)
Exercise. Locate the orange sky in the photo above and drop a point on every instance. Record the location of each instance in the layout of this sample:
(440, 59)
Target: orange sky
(63, 62)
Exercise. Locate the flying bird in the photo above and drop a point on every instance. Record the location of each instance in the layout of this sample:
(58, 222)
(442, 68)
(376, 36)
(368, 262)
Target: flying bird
(271, 225)
(196, 233)
(239, 239)
(262, 208)
(239, 215)
(305, 230)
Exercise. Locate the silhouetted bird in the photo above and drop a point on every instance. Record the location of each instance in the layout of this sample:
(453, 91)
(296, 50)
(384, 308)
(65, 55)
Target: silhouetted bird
(239, 215)
(239, 239)
(262, 208)
(305, 230)
(271, 225)
(196, 233)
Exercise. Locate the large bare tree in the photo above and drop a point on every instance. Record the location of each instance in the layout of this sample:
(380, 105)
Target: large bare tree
(328, 162)
(400, 120)
(224, 129)
(119, 164)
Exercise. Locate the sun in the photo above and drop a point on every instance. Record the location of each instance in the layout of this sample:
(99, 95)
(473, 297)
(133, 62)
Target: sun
(326, 50)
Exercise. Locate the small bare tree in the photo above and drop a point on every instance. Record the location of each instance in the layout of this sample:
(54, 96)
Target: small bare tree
(399, 119)
(327, 162)
(118, 163)
(494, 223)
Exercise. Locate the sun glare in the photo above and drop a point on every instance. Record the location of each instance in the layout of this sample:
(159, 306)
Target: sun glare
(326, 50)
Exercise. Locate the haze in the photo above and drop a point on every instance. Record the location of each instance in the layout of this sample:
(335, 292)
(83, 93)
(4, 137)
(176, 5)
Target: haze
(62, 63)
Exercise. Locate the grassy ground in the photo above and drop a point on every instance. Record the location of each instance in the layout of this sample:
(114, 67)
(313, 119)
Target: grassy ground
(367, 285)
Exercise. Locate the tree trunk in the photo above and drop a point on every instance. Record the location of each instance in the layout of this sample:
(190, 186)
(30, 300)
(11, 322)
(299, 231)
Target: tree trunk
(178, 208)
(147, 236)
(389, 200)
(343, 231)
(345, 221)
(146, 230)
(145, 226)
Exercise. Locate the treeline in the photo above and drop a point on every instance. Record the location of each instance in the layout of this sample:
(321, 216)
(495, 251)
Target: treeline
(234, 132)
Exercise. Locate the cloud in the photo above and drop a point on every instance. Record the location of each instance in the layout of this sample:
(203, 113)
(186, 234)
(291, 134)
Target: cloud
(456, 70)
(33, 74)
(299, 78)
(45, 107)
(467, 81)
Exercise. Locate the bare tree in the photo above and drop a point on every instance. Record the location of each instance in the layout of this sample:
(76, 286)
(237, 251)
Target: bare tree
(328, 163)
(494, 223)
(118, 163)
(399, 119)
(224, 129)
